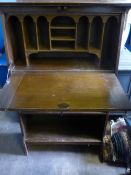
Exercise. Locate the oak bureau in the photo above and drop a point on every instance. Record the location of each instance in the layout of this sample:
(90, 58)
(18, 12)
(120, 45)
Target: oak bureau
(63, 58)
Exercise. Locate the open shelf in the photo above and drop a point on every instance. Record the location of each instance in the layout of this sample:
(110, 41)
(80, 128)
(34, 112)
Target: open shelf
(64, 129)
(96, 32)
(16, 39)
(63, 33)
(82, 32)
(62, 27)
(63, 45)
(110, 44)
(63, 60)
(63, 21)
(30, 33)
(43, 33)
(65, 38)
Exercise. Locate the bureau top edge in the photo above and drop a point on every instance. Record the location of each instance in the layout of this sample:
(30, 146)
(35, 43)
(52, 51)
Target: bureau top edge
(126, 3)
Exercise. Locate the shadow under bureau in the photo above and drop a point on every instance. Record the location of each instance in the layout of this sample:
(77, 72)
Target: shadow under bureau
(63, 59)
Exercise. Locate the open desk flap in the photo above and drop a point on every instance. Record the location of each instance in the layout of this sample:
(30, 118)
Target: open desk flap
(64, 91)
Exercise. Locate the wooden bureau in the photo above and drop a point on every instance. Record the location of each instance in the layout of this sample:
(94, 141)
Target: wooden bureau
(63, 58)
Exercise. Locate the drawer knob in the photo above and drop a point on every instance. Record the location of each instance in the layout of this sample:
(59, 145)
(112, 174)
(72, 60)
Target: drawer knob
(63, 106)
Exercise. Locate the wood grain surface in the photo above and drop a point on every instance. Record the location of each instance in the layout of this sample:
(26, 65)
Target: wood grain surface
(65, 90)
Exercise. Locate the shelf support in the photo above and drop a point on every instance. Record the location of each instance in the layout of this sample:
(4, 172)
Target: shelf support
(23, 130)
(21, 19)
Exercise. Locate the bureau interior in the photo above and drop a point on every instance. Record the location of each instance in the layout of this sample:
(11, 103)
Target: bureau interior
(65, 42)
(64, 128)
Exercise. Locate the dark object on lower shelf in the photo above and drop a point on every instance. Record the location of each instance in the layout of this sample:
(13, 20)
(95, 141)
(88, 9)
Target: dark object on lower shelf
(119, 144)
(122, 149)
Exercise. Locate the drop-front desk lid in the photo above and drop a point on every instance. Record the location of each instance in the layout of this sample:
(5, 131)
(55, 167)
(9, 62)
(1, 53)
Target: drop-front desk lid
(63, 90)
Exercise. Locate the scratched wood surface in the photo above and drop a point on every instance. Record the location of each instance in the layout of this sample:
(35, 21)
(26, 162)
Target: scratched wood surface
(65, 90)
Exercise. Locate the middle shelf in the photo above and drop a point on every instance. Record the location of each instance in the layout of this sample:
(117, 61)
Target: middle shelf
(62, 38)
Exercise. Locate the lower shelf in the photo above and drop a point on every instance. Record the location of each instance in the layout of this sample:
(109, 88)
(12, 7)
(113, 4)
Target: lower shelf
(55, 61)
(60, 136)
(67, 129)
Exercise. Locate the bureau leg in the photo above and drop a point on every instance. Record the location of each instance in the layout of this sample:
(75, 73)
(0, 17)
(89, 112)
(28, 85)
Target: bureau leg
(23, 131)
(105, 147)
(25, 147)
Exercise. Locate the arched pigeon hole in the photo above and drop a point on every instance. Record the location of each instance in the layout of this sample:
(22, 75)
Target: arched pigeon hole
(110, 44)
(30, 33)
(16, 38)
(43, 33)
(96, 32)
(63, 21)
(82, 33)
